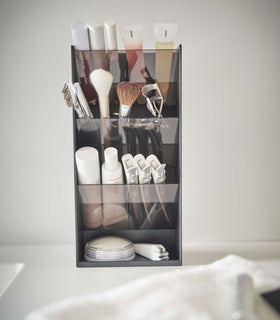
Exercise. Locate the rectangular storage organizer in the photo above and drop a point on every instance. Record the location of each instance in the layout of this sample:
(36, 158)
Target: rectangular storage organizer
(143, 212)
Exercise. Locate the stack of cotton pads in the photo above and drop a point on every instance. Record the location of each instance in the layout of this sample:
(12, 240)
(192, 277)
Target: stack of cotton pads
(109, 248)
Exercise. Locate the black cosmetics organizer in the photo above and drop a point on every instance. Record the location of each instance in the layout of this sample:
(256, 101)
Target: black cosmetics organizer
(146, 213)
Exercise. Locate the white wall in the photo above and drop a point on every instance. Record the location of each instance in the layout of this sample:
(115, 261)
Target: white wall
(231, 115)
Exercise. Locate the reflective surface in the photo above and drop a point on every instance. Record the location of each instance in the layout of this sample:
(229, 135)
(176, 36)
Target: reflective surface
(8, 273)
(141, 67)
(146, 206)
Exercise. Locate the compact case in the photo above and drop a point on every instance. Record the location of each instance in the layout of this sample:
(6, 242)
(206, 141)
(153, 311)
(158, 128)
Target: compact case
(140, 213)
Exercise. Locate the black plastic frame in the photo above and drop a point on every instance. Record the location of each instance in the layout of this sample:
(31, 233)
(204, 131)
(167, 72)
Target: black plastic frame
(164, 236)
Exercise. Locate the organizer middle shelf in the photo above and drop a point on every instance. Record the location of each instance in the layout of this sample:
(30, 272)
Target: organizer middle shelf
(146, 136)
(141, 206)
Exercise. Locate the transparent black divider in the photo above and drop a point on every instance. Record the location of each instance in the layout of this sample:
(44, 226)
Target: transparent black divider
(133, 135)
(141, 206)
(148, 213)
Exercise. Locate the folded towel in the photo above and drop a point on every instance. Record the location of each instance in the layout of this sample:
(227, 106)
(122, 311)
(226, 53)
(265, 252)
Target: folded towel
(195, 293)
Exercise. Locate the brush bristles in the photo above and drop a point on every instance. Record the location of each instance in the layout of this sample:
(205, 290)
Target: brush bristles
(102, 81)
(128, 92)
(69, 95)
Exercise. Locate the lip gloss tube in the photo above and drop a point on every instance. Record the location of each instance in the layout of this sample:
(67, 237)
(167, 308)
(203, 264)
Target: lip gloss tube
(165, 34)
(133, 42)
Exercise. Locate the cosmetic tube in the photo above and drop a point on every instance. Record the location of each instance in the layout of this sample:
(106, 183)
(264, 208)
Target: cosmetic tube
(112, 47)
(111, 35)
(80, 35)
(87, 160)
(98, 47)
(133, 42)
(165, 34)
(96, 35)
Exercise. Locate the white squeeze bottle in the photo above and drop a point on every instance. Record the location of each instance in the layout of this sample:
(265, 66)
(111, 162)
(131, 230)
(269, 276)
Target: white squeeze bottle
(111, 168)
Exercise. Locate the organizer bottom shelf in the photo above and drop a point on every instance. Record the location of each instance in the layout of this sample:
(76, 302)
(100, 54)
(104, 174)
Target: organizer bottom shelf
(137, 262)
(169, 238)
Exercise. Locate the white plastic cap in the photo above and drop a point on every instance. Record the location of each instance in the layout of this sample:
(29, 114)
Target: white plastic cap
(111, 157)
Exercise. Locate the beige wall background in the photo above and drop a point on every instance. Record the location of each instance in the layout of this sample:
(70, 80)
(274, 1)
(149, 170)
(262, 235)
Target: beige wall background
(231, 115)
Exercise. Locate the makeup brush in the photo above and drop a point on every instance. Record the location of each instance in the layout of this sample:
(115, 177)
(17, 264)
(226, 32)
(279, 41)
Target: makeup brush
(102, 81)
(128, 92)
(71, 98)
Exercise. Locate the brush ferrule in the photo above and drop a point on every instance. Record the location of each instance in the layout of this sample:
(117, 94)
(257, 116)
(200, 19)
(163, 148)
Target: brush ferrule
(104, 106)
(124, 111)
(78, 110)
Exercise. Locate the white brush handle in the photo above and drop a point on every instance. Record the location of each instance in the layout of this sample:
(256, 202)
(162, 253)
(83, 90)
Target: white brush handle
(104, 106)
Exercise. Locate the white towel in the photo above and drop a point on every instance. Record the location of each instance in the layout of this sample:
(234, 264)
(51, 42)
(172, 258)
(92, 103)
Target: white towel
(196, 293)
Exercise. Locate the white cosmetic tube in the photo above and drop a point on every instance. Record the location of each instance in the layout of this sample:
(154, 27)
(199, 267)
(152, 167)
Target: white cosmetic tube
(112, 47)
(96, 35)
(111, 35)
(87, 160)
(80, 35)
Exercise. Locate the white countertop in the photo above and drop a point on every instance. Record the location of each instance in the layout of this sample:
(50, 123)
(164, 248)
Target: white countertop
(50, 273)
